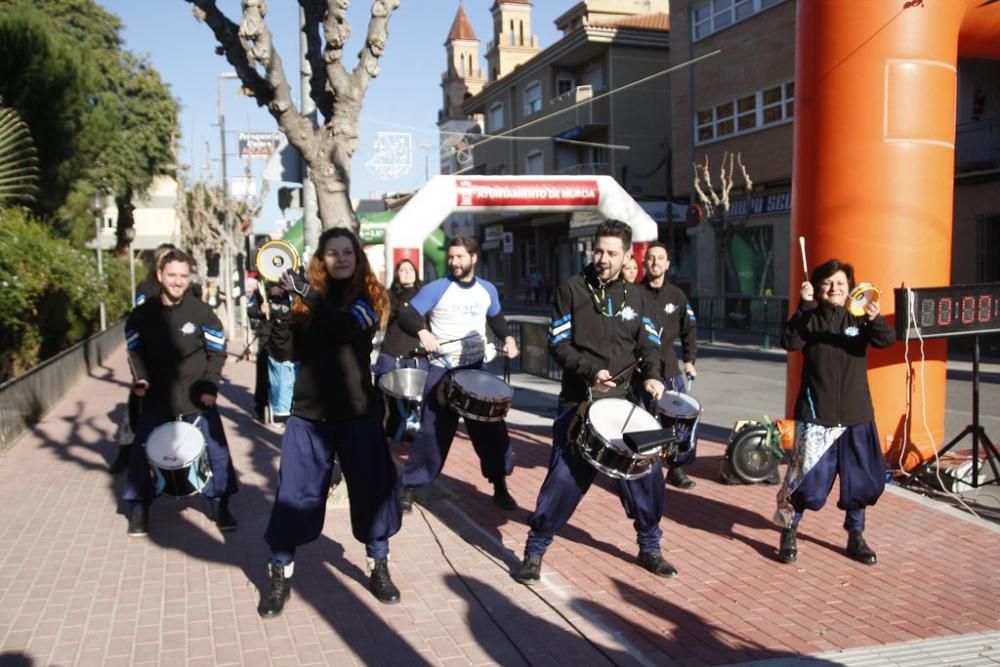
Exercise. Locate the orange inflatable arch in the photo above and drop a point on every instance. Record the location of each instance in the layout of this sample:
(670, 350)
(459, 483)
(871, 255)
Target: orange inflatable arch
(874, 172)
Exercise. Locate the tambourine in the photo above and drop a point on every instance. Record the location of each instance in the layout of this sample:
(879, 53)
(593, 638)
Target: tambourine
(276, 257)
(861, 296)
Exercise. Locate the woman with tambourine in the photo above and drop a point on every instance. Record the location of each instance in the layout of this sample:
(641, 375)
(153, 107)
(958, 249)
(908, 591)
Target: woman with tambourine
(835, 421)
(339, 308)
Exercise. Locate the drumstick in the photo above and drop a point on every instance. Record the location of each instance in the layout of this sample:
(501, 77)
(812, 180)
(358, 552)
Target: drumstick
(802, 247)
(623, 371)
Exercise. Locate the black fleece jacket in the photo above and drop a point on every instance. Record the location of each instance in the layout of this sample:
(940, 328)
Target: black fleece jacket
(834, 387)
(334, 349)
(598, 327)
(674, 318)
(180, 350)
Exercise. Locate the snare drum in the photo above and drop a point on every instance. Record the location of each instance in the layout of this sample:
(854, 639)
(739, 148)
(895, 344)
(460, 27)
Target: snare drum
(679, 413)
(178, 457)
(404, 389)
(601, 443)
(479, 395)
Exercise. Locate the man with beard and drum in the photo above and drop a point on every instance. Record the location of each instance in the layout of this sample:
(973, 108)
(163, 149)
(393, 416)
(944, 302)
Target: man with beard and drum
(598, 331)
(674, 318)
(176, 348)
(149, 288)
(456, 309)
(335, 413)
(835, 432)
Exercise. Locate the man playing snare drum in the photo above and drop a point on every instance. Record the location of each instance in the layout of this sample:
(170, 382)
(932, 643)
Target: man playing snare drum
(598, 334)
(673, 318)
(176, 348)
(457, 309)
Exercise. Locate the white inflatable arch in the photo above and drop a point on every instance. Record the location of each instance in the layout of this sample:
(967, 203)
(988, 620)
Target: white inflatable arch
(443, 195)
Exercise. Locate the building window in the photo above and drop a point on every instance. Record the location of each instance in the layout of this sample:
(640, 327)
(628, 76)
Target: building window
(534, 163)
(532, 98)
(770, 106)
(564, 84)
(711, 16)
(494, 119)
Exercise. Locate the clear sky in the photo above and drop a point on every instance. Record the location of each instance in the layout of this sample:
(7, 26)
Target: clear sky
(405, 97)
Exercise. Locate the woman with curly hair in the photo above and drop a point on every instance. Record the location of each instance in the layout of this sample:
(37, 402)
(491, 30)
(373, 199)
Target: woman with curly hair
(335, 412)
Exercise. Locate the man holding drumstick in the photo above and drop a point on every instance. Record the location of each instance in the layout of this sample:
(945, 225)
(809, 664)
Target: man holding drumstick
(598, 336)
(176, 349)
(457, 310)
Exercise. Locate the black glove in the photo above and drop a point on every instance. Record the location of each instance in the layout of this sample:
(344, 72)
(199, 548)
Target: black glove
(295, 281)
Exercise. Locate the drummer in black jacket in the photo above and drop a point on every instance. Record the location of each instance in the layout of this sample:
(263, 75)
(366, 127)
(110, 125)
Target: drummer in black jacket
(176, 348)
(674, 318)
(598, 329)
(835, 421)
(334, 413)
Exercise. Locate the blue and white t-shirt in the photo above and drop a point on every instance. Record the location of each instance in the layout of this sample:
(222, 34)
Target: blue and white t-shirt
(457, 311)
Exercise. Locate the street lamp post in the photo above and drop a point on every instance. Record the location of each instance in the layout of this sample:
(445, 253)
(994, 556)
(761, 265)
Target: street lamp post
(98, 205)
(130, 237)
(226, 262)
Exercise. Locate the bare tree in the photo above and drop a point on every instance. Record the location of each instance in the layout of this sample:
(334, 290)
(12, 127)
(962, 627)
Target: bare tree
(337, 92)
(718, 205)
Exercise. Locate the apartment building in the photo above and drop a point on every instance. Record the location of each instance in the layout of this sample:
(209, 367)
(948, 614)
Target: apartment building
(738, 100)
(741, 101)
(558, 110)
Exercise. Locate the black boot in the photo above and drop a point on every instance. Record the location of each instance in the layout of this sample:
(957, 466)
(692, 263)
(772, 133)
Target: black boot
(280, 588)
(530, 570)
(652, 561)
(121, 461)
(502, 497)
(677, 477)
(222, 517)
(138, 517)
(381, 584)
(788, 551)
(406, 498)
(858, 549)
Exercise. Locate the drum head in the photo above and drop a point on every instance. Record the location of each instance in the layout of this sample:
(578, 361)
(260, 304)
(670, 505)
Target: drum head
(608, 416)
(276, 257)
(861, 296)
(405, 383)
(676, 404)
(174, 445)
(482, 385)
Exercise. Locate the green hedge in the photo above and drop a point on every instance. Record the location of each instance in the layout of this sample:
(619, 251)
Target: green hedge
(49, 292)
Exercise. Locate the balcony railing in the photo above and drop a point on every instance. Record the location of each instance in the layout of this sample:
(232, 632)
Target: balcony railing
(583, 169)
(977, 145)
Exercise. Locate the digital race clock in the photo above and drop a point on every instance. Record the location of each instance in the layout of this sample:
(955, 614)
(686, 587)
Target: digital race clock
(956, 310)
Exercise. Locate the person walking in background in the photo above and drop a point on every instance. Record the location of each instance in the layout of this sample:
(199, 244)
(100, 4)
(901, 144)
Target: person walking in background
(835, 431)
(630, 270)
(335, 413)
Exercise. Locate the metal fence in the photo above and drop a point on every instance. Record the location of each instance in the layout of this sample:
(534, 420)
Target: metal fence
(26, 398)
(761, 317)
(754, 319)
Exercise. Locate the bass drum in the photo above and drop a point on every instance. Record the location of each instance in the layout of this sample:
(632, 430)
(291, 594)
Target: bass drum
(750, 458)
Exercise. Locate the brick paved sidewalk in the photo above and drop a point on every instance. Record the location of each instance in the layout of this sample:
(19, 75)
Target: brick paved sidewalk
(74, 589)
